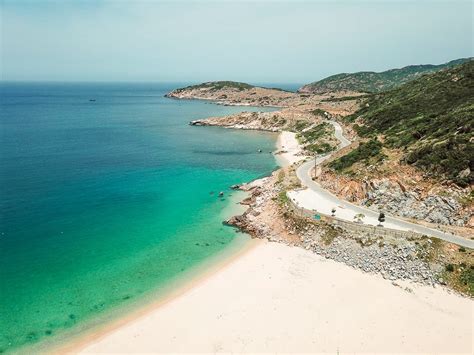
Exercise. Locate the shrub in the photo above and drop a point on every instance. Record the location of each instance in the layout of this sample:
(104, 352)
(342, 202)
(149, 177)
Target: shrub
(363, 152)
(320, 148)
(431, 118)
(467, 278)
(316, 132)
(450, 268)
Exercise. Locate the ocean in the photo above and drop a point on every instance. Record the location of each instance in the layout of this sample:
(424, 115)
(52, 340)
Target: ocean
(107, 195)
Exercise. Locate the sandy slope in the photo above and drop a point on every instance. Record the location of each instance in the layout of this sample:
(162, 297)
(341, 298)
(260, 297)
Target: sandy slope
(277, 298)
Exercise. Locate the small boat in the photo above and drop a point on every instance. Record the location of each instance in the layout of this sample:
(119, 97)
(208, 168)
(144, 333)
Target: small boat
(92, 100)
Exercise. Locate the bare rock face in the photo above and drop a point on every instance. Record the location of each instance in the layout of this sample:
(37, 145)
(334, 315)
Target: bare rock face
(465, 173)
(394, 198)
(265, 121)
(404, 198)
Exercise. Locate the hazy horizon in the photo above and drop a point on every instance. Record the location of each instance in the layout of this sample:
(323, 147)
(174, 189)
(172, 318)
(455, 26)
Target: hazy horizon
(260, 42)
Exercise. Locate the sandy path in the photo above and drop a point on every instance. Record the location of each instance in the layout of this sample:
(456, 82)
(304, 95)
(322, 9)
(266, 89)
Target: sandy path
(277, 298)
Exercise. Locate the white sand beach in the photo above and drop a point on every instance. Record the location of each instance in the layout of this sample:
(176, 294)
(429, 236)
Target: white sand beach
(288, 144)
(273, 298)
(276, 298)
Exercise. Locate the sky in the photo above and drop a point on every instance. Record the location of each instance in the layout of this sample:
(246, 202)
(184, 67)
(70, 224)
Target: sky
(251, 41)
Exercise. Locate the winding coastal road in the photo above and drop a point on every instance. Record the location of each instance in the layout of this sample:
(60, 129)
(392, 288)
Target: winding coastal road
(318, 199)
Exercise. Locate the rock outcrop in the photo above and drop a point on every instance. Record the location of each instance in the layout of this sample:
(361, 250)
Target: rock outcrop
(395, 199)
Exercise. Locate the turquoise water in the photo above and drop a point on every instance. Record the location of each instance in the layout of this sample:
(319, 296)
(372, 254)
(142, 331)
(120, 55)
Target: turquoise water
(103, 202)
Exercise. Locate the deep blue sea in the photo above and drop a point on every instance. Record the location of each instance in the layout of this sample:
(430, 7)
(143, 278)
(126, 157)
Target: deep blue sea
(105, 201)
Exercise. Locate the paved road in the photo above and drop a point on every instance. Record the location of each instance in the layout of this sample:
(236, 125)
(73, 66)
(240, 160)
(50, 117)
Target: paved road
(323, 201)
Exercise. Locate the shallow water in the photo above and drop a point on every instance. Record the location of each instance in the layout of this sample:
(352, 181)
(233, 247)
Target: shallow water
(105, 201)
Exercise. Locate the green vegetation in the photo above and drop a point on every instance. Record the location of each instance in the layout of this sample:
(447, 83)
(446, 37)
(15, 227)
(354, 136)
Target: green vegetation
(316, 132)
(466, 278)
(299, 125)
(320, 148)
(431, 119)
(329, 235)
(217, 85)
(376, 82)
(314, 138)
(282, 197)
(318, 112)
(460, 276)
(449, 267)
(363, 153)
(346, 98)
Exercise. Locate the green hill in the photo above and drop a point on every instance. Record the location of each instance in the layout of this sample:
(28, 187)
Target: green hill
(217, 85)
(431, 119)
(375, 82)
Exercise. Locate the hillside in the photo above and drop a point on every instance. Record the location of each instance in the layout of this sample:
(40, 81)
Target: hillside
(430, 119)
(373, 82)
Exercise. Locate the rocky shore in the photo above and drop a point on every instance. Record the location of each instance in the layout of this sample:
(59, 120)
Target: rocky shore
(269, 218)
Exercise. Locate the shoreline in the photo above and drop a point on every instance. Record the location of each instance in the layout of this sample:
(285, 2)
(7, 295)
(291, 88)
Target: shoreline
(176, 288)
(214, 295)
(173, 290)
(287, 288)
